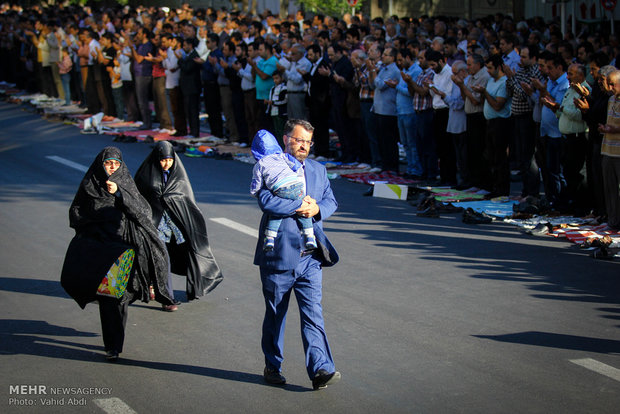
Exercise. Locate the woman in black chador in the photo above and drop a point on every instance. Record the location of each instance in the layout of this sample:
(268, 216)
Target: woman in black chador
(162, 180)
(111, 218)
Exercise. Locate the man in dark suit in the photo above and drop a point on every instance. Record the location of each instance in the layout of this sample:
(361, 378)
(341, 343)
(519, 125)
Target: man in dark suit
(288, 267)
(189, 83)
(318, 99)
(343, 124)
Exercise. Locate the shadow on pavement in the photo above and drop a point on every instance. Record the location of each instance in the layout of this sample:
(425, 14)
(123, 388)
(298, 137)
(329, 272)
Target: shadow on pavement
(33, 286)
(561, 341)
(23, 337)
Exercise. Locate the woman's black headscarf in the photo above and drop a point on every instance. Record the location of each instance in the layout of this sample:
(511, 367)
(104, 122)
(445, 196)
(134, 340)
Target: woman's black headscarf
(106, 225)
(195, 260)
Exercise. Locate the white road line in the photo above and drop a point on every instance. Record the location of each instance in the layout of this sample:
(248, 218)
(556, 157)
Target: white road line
(114, 406)
(68, 163)
(236, 226)
(599, 367)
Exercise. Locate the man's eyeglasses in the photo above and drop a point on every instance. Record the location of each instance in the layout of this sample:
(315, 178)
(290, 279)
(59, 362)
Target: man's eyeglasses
(302, 141)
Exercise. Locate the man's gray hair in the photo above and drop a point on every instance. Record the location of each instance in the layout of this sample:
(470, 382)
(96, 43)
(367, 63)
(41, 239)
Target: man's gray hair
(438, 39)
(607, 70)
(292, 123)
(299, 48)
(459, 65)
(360, 54)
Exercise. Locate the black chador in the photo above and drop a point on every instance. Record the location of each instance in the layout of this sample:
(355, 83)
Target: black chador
(105, 226)
(174, 207)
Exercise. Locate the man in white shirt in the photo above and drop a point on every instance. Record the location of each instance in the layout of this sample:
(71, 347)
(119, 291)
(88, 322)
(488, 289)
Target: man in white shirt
(129, 88)
(295, 85)
(248, 86)
(171, 65)
(441, 87)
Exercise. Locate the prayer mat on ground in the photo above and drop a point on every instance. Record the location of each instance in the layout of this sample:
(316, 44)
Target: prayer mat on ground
(579, 234)
(384, 177)
(121, 124)
(501, 208)
(555, 221)
(142, 135)
(449, 195)
(340, 168)
(64, 110)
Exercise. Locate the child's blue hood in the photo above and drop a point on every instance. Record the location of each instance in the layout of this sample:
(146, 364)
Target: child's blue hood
(264, 143)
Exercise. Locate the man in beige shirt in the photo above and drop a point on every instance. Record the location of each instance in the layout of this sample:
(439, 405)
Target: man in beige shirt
(479, 170)
(610, 151)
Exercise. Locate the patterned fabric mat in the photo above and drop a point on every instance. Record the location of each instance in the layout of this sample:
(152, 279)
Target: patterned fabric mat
(495, 207)
(449, 195)
(575, 229)
(339, 168)
(142, 135)
(64, 110)
(579, 234)
(384, 177)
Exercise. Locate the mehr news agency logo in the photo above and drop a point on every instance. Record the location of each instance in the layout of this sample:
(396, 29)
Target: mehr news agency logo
(33, 395)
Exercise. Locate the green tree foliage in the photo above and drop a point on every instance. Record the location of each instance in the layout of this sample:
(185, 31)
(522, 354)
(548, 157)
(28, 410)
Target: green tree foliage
(329, 7)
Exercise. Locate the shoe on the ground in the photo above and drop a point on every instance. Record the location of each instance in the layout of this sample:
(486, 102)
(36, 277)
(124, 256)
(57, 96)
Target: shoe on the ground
(542, 229)
(311, 242)
(169, 308)
(473, 217)
(602, 253)
(426, 202)
(273, 376)
(448, 208)
(111, 356)
(323, 378)
(430, 211)
(269, 244)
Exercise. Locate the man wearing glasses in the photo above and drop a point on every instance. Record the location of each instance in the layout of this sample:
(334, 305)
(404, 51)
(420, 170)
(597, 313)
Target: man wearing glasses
(288, 267)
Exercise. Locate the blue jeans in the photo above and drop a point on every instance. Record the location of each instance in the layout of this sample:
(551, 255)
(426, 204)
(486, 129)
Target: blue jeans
(408, 137)
(426, 144)
(557, 183)
(65, 78)
(291, 192)
(117, 94)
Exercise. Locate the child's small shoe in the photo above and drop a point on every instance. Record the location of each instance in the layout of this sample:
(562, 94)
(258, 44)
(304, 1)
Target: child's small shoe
(269, 244)
(311, 242)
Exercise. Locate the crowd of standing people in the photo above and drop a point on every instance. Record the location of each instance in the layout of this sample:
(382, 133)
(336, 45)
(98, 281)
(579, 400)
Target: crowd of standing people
(469, 100)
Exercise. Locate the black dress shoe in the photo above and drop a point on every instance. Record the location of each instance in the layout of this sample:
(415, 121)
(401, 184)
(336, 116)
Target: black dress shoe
(473, 217)
(428, 212)
(448, 208)
(323, 378)
(111, 356)
(273, 376)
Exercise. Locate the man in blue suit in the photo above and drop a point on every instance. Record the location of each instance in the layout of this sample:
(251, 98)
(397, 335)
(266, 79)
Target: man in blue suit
(288, 267)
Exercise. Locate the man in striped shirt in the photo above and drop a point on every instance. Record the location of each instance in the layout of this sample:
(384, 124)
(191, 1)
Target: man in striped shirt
(423, 107)
(522, 113)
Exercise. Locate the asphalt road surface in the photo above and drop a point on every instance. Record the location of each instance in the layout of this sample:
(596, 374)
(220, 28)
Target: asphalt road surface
(423, 315)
